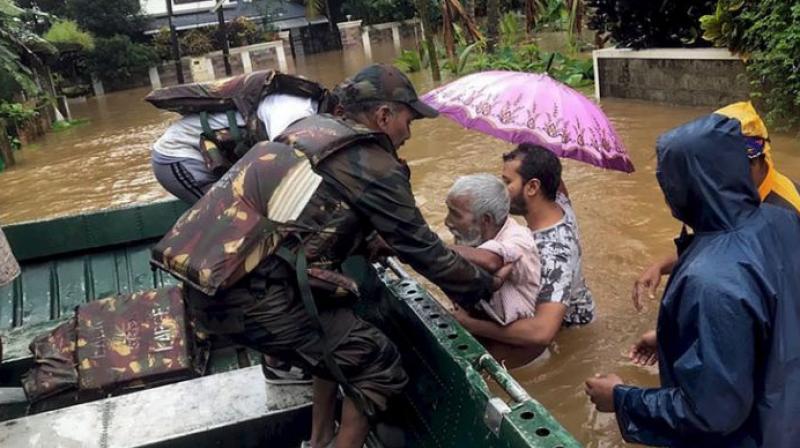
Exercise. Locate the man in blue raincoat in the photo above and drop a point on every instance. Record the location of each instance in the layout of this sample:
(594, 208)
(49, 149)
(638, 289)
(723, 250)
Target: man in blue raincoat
(729, 324)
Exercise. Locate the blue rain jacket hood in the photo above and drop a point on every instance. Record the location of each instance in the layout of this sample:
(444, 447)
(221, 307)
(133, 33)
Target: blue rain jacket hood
(729, 322)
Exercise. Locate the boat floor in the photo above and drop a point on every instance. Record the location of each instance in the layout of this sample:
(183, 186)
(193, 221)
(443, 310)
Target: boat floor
(236, 408)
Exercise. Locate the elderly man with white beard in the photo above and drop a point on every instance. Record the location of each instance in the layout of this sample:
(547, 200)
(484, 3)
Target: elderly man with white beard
(478, 217)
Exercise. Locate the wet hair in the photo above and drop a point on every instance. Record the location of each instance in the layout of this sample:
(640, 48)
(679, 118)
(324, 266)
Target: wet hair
(487, 193)
(537, 163)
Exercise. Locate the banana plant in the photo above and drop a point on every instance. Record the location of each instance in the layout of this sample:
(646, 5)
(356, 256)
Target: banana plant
(12, 46)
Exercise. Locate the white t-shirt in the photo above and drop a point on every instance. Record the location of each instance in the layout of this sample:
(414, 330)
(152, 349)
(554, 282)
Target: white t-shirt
(182, 139)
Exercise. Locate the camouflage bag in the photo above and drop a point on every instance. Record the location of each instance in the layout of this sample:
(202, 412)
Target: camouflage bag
(136, 340)
(242, 93)
(55, 366)
(247, 213)
(115, 344)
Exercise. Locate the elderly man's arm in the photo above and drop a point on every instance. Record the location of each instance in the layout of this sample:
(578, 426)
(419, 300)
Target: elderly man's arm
(539, 330)
(483, 258)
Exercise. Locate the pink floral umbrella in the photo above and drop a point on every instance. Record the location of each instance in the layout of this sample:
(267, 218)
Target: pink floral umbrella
(533, 108)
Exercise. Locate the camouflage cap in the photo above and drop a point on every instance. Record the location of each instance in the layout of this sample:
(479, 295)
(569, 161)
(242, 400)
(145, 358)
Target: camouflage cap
(383, 82)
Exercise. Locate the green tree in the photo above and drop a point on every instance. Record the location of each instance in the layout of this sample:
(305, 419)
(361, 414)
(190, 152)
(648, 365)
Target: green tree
(12, 46)
(196, 42)
(767, 34)
(119, 58)
(105, 18)
(66, 35)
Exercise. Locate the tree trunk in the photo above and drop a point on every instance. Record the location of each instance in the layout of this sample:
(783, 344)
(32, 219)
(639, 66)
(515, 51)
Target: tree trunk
(457, 11)
(530, 15)
(492, 24)
(329, 15)
(469, 5)
(6, 153)
(424, 16)
(448, 31)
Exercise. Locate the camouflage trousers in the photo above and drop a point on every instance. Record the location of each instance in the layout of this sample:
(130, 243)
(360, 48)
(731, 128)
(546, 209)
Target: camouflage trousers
(270, 318)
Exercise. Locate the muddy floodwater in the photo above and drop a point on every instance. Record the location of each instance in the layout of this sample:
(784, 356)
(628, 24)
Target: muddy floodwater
(623, 219)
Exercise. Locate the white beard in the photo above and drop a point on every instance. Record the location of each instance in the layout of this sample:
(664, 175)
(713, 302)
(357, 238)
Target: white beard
(472, 239)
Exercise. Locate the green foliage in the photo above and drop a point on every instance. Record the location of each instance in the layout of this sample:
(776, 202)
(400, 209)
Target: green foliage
(510, 29)
(767, 34)
(63, 125)
(162, 44)
(105, 18)
(118, 58)
(459, 66)
(724, 28)
(196, 42)
(12, 46)
(647, 24)
(66, 35)
(16, 114)
(409, 61)
(552, 14)
(529, 58)
(199, 41)
(242, 31)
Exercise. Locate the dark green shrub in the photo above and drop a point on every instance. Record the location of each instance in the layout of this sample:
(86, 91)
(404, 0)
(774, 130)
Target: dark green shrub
(120, 59)
(647, 24)
(767, 34)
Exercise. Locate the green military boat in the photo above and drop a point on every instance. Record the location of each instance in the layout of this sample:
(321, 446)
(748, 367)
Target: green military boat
(451, 399)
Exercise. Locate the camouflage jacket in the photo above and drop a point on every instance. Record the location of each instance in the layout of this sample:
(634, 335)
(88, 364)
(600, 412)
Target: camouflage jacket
(331, 183)
(367, 188)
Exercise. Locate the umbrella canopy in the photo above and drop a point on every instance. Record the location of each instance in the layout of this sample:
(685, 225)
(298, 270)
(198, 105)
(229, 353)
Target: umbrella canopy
(533, 108)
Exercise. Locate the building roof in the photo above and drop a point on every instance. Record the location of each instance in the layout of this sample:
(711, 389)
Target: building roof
(285, 15)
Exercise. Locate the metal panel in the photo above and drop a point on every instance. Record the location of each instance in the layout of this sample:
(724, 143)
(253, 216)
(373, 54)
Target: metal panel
(49, 289)
(47, 238)
(71, 260)
(445, 404)
(229, 409)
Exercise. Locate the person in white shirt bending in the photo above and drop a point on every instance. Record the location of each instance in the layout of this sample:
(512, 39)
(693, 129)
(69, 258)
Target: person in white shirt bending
(222, 120)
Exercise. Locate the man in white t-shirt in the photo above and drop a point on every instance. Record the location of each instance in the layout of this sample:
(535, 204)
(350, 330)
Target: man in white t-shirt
(177, 161)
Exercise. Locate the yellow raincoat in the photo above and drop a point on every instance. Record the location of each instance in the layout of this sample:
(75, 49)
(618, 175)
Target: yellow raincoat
(776, 187)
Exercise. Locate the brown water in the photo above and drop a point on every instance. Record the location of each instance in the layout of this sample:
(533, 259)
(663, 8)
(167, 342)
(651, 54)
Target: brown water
(623, 219)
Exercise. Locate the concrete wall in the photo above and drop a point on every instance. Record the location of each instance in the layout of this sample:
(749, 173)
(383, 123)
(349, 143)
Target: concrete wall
(690, 77)
(169, 77)
(218, 61)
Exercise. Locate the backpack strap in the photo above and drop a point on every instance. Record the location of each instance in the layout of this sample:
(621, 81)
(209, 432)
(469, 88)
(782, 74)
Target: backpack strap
(207, 131)
(299, 263)
(233, 126)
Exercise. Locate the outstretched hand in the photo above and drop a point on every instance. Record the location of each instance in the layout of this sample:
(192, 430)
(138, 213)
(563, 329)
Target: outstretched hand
(600, 390)
(646, 284)
(645, 351)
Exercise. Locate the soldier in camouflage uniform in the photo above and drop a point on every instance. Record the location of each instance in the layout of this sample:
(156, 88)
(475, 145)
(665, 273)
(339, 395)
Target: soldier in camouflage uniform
(359, 185)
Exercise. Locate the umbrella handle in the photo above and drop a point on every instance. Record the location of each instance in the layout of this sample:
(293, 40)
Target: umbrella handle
(550, 63)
